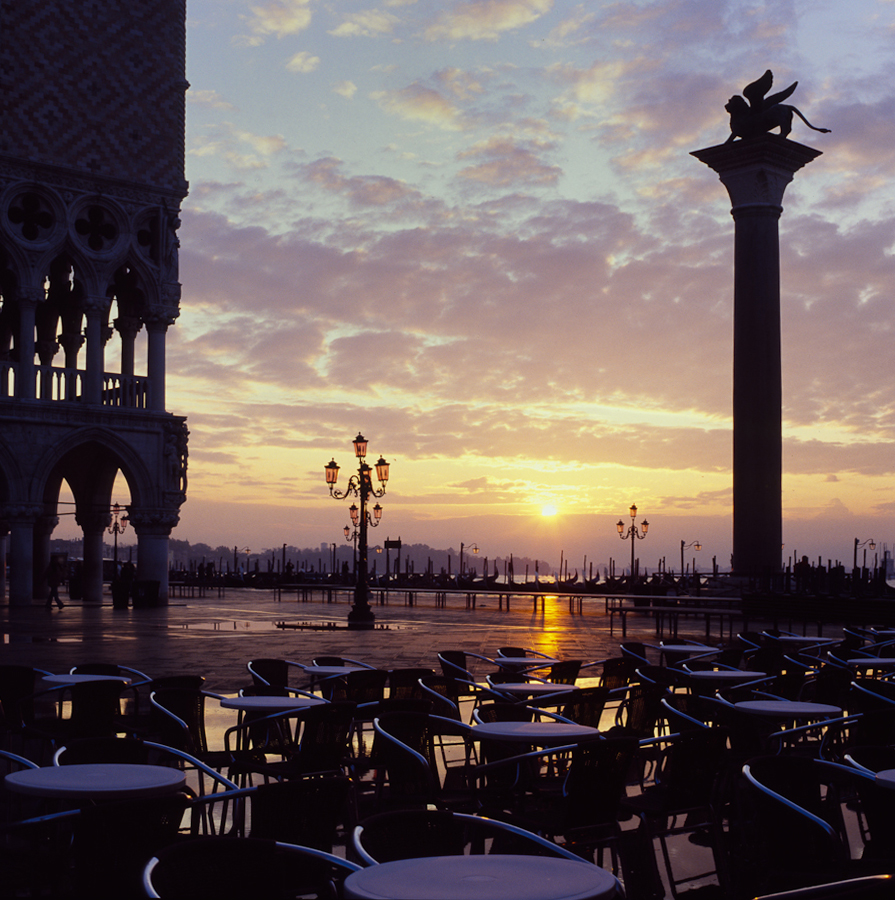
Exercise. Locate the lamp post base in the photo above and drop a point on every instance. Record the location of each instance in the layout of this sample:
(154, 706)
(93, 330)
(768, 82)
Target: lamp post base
(361, 617)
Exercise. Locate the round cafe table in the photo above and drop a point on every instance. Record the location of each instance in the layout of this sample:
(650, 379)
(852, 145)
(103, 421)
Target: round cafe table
(80, 678)
(886, 778)
(524, 662)
(872, 662)
(479, 877)
(789, 709)
(97, 781)
(541, 733)
(530, 688)
(725, 677)
(266, 704)
(329, 671)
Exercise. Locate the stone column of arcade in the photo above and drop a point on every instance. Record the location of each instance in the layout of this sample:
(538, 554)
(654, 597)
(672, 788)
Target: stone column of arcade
(94, 525)
(21, 518)
(28, 300)
(96, 312)
(755, 172)
(153, 528)
(43, 531)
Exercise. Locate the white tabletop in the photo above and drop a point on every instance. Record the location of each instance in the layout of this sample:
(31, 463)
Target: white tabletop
(872, 662)
(533, 662)
(478, 877)
(333, 670)
(532, 687)
(543, 733)
(886, 778)
(268, 704)
(789, 709)
(80, 678)
(798, 639)
(729, 676)
(687, 648)
(97, 780)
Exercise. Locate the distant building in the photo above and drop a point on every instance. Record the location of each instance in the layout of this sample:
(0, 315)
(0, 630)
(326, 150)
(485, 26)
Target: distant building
(91, 179)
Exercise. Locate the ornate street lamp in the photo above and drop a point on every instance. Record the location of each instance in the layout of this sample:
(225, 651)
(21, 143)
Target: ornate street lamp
(633, 533)
(684, 546)
(473, 548)
(118, 526)
(360, 486)
(868, 543)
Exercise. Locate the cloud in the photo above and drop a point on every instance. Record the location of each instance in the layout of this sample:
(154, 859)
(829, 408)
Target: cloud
(346, 89)
(503, 162)
(208, 98)
(485, 20)
(280, 18)
(303, 63)
(419, 103)
(240, 148)
(368, 23)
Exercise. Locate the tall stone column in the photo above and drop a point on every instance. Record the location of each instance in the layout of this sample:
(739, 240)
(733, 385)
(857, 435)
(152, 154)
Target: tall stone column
(94, 524)
(42, 531)
(21, 518)
(153, 528)
(156, 329)
(95, 311)
(756, 172)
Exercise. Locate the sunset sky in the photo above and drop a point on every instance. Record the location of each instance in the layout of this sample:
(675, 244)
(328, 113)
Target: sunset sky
(473, 231)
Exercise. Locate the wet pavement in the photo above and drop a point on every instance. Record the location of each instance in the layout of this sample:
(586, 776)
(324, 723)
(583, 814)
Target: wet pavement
(217, 635)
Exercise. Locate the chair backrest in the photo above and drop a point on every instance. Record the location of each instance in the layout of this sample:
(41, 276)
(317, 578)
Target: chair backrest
(790, 818)
(228, 868)
(640, 710)
(453, 664)
(585, 705)
(408, 834)
(444, 693)
(595, 783)
(325, 730)
(269, 675)
(95, 708)
(111, 843)
(512, 651)
(306, 811)
(103, 750)
(17, 685)
(405, 683)
(617, 672)
(635, 650)
(186, 704)
(565, 671)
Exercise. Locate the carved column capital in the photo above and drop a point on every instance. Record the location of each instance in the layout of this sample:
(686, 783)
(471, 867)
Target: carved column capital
(128, 326)
(23, 513)
(46, 350)
(96, 305)
(153, 520)
(93, 520)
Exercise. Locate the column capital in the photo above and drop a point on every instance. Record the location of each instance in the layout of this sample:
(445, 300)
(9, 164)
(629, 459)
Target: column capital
(757, 170)
(149, 520)
(128, 325)
(93, 520)
(96, 304)
(21, 513)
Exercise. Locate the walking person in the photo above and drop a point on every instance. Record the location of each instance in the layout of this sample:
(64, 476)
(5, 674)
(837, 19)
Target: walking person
(55, 577)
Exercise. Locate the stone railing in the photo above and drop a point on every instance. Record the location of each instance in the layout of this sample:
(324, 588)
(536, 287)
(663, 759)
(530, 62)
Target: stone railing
(55, 384)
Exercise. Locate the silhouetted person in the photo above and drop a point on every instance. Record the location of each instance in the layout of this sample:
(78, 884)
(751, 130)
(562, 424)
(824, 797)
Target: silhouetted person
(55, 577)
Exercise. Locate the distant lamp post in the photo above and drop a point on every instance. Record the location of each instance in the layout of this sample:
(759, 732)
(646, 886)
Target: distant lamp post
(685, 546)
(118, 526)
(633, 533)
(473, 548)
(360, 486)
(865, 544)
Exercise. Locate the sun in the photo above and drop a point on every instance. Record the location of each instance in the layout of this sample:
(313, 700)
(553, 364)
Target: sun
(548, 510)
